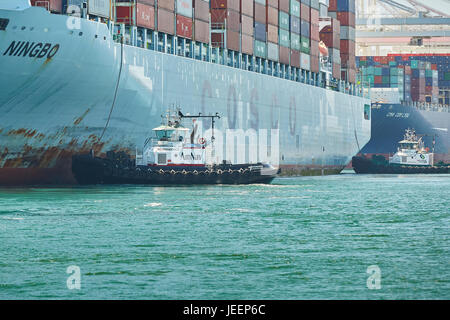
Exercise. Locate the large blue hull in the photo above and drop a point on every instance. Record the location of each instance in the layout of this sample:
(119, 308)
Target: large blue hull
(94, 94)
(389, 122)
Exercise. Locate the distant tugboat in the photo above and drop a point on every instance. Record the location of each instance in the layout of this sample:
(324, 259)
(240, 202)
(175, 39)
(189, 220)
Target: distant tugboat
(171, 158)
(411, 157)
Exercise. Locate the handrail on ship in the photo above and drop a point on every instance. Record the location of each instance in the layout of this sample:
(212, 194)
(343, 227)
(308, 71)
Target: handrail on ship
(147, 38)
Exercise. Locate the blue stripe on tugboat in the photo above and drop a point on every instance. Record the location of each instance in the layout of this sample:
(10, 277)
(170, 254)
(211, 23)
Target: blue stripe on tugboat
(164, 162)
(411, 157)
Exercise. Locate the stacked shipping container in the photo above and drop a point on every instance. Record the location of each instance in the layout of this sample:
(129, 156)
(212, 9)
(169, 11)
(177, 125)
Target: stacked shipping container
(416, 80)
(330, 35)
(344, 11)
(285, 31)
(272, 30)
(201, 20)
(314, 35)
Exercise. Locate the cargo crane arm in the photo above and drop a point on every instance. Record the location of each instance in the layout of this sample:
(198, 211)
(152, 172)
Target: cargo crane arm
(399, 6)
(416, 3)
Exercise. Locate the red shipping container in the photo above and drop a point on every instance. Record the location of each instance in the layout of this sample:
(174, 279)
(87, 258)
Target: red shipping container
(124, 14)
(169, 5)
(247, 7)
(247, 25)
(295, 58)
(272, 3)
(51, 5)
(314, 16)
(333, 6)
(315, 63)
(305, 12)
(284, 6)
(233, 39)
(434, 67)
(346, 18)
(314, 34)
(201, 10)
(260, 13)
(184, 27)
(226, 4)
(272, 33)
(348, 47)
(201, 31)
(336, 71)
(272, 16)
(247, 44)
(351, 75)
(314, 48)
(384, 60)
(145, 16)
(378, 79)
(232, 17)
(284, 54)
(166, 21)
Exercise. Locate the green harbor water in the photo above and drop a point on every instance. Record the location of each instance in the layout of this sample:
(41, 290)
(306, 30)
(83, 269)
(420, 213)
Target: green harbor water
(298, 238)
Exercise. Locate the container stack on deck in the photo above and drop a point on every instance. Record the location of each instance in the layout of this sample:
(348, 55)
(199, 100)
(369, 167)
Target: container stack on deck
(284, 36)
(314, 35)
(330, 35)
(296, 33)
(272, 30)
(201, 21)
(226, 14)
(416, 79)
(344, 11)
(284, 31)
(259, 13)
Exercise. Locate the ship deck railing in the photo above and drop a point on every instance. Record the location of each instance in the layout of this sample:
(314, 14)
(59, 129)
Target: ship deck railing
(216, 53)
(172, 44)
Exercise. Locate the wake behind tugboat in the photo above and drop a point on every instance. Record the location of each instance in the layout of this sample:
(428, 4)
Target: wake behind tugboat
(171, 158)
(411, 157)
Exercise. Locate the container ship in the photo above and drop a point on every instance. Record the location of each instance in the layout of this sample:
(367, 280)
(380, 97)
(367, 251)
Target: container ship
(408, 91)
(96, 76)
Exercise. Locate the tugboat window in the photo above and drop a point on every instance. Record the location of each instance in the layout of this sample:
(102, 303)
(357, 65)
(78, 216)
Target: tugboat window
(3, 23)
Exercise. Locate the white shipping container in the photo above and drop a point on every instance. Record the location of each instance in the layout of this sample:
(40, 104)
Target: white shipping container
(305, 61)
(323, 10)
(184, 7)
(99, 8)
(272, 51)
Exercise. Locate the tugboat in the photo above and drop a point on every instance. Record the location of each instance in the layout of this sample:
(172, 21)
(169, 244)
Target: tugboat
(411, 157)
(171, 158)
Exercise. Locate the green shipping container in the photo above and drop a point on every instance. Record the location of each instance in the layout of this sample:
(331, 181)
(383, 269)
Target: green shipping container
(377, 71)
(260, 49)
(447, 76)
(295, 8)
(428, 73)
(283, 38)
(305, 45)
(295, 41)
(394, 71)
(414, 64)
(385, 79)
(283, 20)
